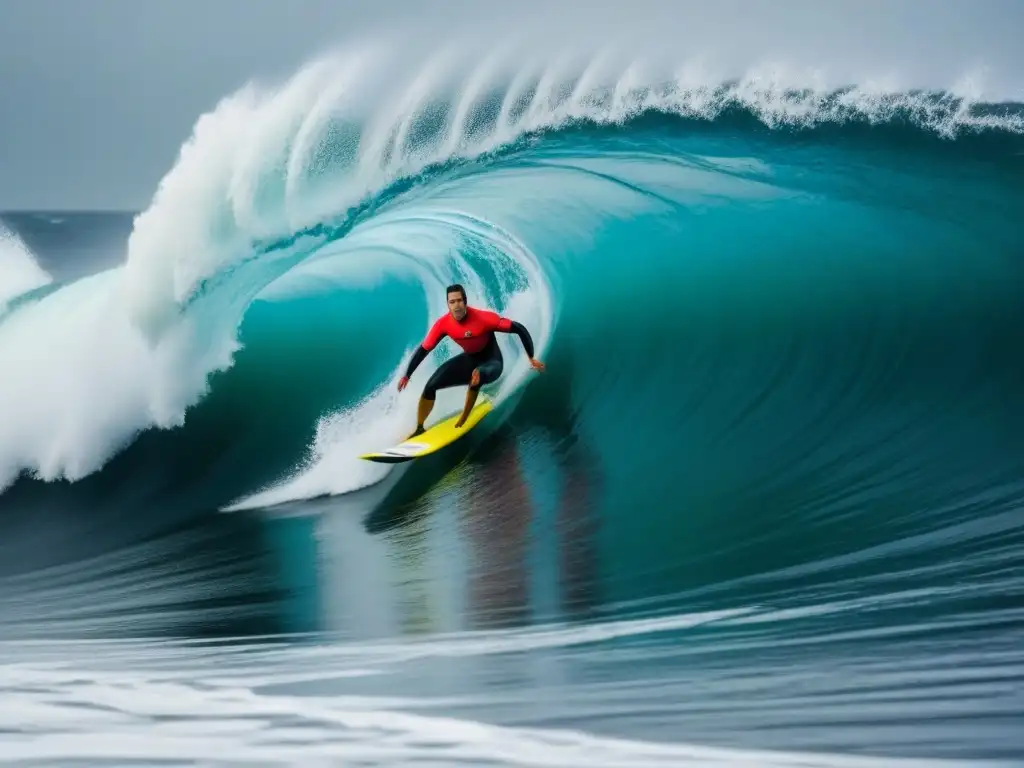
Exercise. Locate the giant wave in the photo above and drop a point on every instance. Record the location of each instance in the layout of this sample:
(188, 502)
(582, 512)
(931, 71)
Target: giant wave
(772, 473)
(348, 173)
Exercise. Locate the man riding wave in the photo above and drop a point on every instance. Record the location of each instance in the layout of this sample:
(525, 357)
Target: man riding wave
(481, 361)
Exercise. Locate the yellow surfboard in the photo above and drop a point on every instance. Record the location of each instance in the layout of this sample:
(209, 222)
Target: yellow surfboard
(433, 438)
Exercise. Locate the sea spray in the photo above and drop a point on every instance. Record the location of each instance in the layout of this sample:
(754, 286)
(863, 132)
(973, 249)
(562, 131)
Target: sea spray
(19, 271)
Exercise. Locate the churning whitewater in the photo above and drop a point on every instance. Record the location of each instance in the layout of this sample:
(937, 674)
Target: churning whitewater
(19, 272)
(762, 507)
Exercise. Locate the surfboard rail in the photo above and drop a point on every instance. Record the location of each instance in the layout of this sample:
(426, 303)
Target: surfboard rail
(434, 438)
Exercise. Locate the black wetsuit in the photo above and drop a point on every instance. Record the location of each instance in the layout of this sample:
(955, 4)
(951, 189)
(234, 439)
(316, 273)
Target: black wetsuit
(459, 370)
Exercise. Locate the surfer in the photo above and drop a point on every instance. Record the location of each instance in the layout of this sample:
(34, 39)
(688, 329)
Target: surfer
(481, 361)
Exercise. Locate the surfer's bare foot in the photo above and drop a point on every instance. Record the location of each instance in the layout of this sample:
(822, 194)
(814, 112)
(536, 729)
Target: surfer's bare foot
(461, 421)
(418, 431)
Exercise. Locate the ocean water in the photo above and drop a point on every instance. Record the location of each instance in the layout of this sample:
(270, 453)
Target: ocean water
(764, 507)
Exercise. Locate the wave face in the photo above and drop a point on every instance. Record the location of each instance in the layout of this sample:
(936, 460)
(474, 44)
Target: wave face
(778, 436)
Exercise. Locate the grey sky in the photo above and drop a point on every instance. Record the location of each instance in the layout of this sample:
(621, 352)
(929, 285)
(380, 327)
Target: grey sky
(96, 96)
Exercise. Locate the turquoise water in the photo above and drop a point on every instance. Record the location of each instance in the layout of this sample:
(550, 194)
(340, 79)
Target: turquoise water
(767, 495)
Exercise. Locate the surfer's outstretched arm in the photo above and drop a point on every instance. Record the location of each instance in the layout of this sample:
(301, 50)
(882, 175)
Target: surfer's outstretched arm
(435, 335)
(524, 336)
(417, 357)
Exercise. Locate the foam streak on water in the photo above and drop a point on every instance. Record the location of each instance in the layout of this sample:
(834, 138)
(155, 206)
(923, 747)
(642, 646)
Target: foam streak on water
(247, 703)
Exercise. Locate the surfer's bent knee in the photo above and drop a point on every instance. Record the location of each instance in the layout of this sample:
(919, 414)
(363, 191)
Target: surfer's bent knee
(431, 387)
(434, 383)
(489, 373)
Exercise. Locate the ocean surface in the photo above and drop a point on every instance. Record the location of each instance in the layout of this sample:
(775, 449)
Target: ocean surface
(765, 507)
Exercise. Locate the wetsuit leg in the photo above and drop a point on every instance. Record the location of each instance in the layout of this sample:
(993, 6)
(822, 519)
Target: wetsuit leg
(459, 370)
(452, 373)
(490, 363)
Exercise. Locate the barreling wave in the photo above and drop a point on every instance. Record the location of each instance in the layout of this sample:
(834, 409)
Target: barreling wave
(356, 172)
(780, 419)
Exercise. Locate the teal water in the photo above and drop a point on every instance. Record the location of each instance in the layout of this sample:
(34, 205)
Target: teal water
(767, 495)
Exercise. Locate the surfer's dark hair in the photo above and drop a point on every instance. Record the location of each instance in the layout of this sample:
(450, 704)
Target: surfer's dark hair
(456, 288)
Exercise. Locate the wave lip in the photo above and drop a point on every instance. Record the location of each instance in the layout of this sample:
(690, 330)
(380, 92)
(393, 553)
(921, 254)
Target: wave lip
(268, 162)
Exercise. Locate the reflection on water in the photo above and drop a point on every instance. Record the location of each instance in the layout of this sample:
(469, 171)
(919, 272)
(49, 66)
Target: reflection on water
(424, 608)
(504, 539)
(487, 585)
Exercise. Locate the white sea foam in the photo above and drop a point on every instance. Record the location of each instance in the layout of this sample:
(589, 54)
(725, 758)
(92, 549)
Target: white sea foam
(19, 271)
(240, 705)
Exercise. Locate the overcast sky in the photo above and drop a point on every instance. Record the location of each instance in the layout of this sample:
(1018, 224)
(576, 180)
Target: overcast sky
(97, 96)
